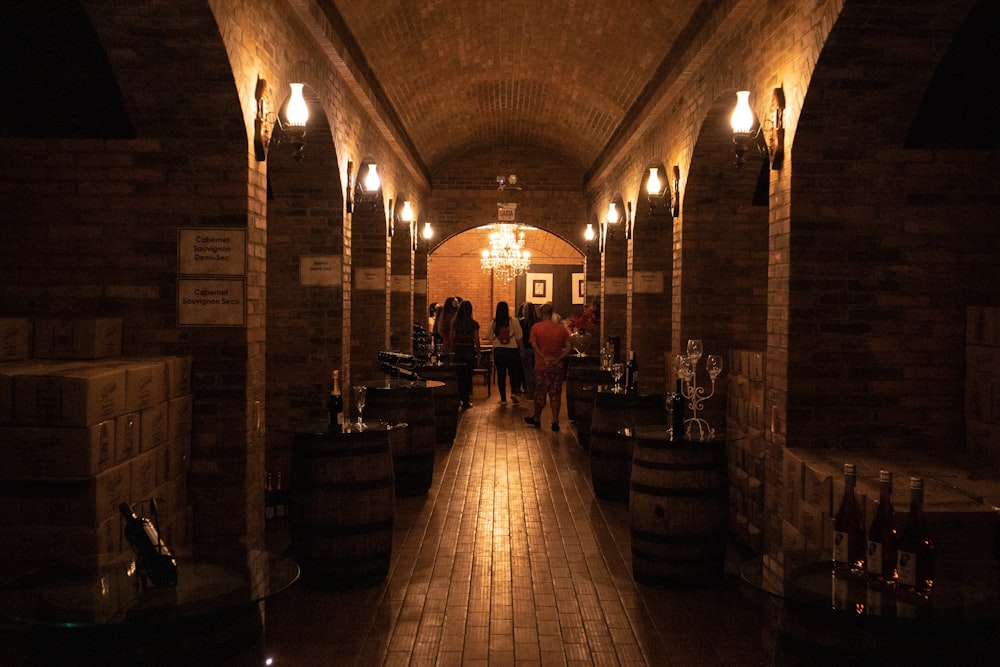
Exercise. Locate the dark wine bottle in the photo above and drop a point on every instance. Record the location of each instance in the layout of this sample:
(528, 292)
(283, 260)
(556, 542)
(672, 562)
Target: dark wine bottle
(401, 373)
(336, 406)
(280, 502)
(154, 562)
(916, 549)
(632, 374)
(881, 561)
(849, 543)
(268, 496)
(677, 414)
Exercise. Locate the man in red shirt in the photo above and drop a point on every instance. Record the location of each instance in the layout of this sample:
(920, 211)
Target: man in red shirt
(551, 344)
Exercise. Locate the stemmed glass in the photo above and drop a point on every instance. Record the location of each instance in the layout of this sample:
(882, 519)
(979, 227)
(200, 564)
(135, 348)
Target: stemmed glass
(695, 350)
(713, 364)
(618, 370)
(359, 401)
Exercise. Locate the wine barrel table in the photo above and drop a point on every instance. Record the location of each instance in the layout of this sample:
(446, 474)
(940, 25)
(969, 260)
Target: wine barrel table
(678, 509)
(582, 371)
(610, 450)
(342, 505)
(445, 399)
(395, 402)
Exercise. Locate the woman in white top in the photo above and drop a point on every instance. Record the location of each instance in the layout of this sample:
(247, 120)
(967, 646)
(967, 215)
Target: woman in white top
(507, 337)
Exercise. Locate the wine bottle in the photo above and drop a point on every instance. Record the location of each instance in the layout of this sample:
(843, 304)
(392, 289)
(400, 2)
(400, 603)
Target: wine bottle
(916, 549)
(268, 497)
(280, 504)
(401, 373)
(154, 561)
(632, 374)
(880, 563)
(849, 543)
(677, 414)
(336, 406)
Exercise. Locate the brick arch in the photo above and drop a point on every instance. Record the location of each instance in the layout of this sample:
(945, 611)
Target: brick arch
(304, 220)
(875, 245)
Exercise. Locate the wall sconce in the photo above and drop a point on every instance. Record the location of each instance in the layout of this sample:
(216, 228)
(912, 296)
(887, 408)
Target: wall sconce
(427, 234)
(369, 189)
(588, 235)
(747, 133)
(292, 130)
(407, 216)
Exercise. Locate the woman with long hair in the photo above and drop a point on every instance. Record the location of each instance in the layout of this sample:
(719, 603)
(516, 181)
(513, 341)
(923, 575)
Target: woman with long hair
(465, 346)
(507, 336)
(442, 323)
(528, 319)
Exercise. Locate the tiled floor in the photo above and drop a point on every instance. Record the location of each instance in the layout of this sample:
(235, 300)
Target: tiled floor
(511, 560)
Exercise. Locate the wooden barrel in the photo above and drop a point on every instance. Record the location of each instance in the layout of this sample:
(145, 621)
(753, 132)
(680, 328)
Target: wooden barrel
(678, 511)
(445, 400)
(610, 451)
(341, 507)
(584, 414)
(582, 372)
(412, 447)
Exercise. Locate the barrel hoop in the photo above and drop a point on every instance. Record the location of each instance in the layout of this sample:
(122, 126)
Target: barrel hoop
(677, 467)
(327, 530)
(688, 492)
(333, 451)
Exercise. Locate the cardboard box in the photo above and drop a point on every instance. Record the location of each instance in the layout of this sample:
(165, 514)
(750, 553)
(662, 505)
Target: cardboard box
(145, 383)
(8, 371)
(179, 412)
(15, 338)
(129, 440)
(74, 395)
(82, 502)
(154, 427)
(83, 338)
(37, 451)
(143, 476)
(174, 459)
(178, 376)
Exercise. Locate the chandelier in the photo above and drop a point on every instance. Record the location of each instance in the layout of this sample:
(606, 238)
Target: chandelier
(506, 258)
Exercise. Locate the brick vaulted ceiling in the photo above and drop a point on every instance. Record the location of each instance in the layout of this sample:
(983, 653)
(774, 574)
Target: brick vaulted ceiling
(463, 76)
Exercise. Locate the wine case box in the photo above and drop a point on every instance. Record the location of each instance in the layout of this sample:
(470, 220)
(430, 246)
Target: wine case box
(129, 432)
(10, 370)
(145, 382)
(72, 395)
(179, 415)
(15, 338)
(37, 451)
(85, 338)
(178, 376)
(83, 502)
(155, 427)
(144, 476)
(174, 459)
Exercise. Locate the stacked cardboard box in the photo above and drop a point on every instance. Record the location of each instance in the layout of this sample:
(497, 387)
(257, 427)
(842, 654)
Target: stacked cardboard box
(79, 436)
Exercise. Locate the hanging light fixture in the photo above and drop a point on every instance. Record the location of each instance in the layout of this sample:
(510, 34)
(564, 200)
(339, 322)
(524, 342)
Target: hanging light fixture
(291, 130)
(506, 257)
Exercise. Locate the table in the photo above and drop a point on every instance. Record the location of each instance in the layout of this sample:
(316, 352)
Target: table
(678, 508)
(610, 449)
(342, 504)
(91, 611)
(413, 448)
(848, 621)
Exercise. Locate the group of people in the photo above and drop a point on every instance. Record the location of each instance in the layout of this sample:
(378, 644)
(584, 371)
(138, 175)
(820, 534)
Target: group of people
(528, 352)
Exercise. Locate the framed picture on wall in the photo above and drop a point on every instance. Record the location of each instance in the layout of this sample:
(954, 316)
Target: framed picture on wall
(579, 285)
(539, 287)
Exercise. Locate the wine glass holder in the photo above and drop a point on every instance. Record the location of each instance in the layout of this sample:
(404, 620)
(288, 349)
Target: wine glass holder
(695, 394)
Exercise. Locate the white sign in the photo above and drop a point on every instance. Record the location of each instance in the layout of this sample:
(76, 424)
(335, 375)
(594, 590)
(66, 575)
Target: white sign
(212, 252)
(400, 283)
(324, 270)
(506, 212)
(211, 302)
(615, 285)
(647, 282)
(369, 278)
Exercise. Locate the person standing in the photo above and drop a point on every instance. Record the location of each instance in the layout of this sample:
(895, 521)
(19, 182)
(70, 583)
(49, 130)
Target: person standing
(507, 336)
(551, 344)
(465, 346)
(442, 324)
(527, 320)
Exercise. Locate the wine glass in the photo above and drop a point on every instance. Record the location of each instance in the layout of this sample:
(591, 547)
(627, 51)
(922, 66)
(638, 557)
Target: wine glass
(713, 364)
(683, 367)
(695, 350)
(618, 370)
(359, 401)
